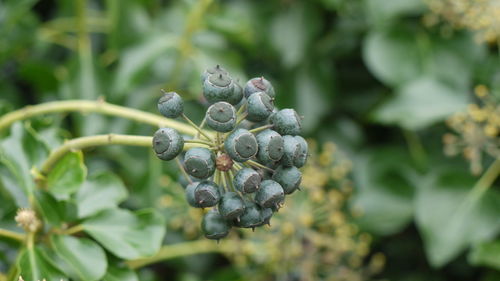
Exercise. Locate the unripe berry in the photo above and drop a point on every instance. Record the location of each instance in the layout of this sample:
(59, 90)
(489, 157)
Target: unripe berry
(292, 151)
(237, 94)
(214, 226)
(286, 122)
(199, 162)
(288, 177)
(212, 70)
(241, 145)
(247, 180)
(251, 217)
(190, 188)
(171, 105)
(167, 143)
(206, 194)
(270, 146)
(218, 87)
(221, 116)
(260, 106)
(266, 215)
(259, 84)
(301, 160)
(269, 194)
(231, 206)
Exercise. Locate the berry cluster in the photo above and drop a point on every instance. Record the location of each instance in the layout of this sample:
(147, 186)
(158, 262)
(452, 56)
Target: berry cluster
(246, 163)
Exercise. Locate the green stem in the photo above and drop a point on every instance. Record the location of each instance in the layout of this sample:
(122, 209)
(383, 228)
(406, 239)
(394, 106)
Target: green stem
(259, 129)
(416, 148)
(482, 185)
(183, 171)
(241, 109)
(196, 127)
(181, 250)
(258, 165)
(199, 141)
(72, 230)
(87, 106)
(201, 127)
(224, 182)
(12, 235)
(230, 178)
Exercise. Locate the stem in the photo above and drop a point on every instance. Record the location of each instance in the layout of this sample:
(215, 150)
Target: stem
(199, 141)
(482, 185)
(201, 127)
(224, 182)
(230, 177)
(259, 129)
(196, 127)
(241, 118)
(241, 109)
(86, 106)
(12, 235)
(72, 230)
(183, 171)
(258, 165)
(182, 249)
(416, 148)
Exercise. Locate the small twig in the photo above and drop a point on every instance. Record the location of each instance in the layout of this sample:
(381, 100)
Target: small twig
(183, 171)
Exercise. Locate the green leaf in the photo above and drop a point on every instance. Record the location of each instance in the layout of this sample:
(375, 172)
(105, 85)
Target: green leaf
(487, 253)
(33, 265)
(380, 12)
(102, 191)
(384, 190)
(67, 176)
(450, 218)
(84, 256)
(420, 103)
(120, 273)
(125, 234)
(51, 210)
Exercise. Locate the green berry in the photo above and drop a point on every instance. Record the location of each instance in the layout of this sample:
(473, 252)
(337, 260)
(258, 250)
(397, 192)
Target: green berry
(221, 116)
(231, 206)
(218, 87)
(270, 146)
(260, 106)
(266, 215)
(286, 122)
(301, 160)
(241, 145)
(190, 188)
(288, 177)
(251, 217)
(237, 95)
(199, 162)
(213, 70)
(171, 105)
(292, 151)
(269, 194)
(259, 84)
(214, 226)
(247, 180)
(206, 194)
(167, 143)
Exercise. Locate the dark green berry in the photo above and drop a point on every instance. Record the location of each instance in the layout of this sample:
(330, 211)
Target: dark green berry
(292, 151)
(286, 122)
(301, 160)
(251, 217)
(218, 87)
(241, 145)
(260, 106)
(259, 84)
(190, 188)
(206, 194)
(237, 95)
(247, 180)
(266, 215)
(167, 143)
(231, 206)
(214, 226)
(269, 194)
(213, 70)
(288, 177)
(199, 162)
(270, 146)
(221, 116)
(171, 105)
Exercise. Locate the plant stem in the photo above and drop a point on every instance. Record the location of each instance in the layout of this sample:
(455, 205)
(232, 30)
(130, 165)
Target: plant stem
(241, 118)
(224, 182)
(200, 142)
(181, 250)
(258, 165)
(74, 229)
(241, 109)
(196, 127)
(482, 185)
(183, 171)
(201, 127)
(259, 129)
(12, 235)
(86, 106)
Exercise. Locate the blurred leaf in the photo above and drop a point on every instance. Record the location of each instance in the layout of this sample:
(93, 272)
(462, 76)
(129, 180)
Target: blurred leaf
(100, 192)
(67, 175)
(421, 103)
(448, 220)
(384, 190)
(380, 11)
(125, 234)
(84, 256)
(34, 265)
(120, 273)
(51, 209)
(487, 253)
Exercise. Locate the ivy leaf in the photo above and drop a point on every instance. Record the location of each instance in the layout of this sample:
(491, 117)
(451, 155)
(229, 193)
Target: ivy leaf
(125, 234)
(120, 273)
(67, 176)
(486, 253)
(102, 191)
(49, 207)
(85, 257)
(33, 265)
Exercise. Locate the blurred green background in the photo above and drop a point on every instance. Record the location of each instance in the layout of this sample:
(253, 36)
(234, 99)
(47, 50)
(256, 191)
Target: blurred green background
(375, 80)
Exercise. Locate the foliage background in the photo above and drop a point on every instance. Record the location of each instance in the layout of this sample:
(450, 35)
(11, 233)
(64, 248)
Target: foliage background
(376, 77)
